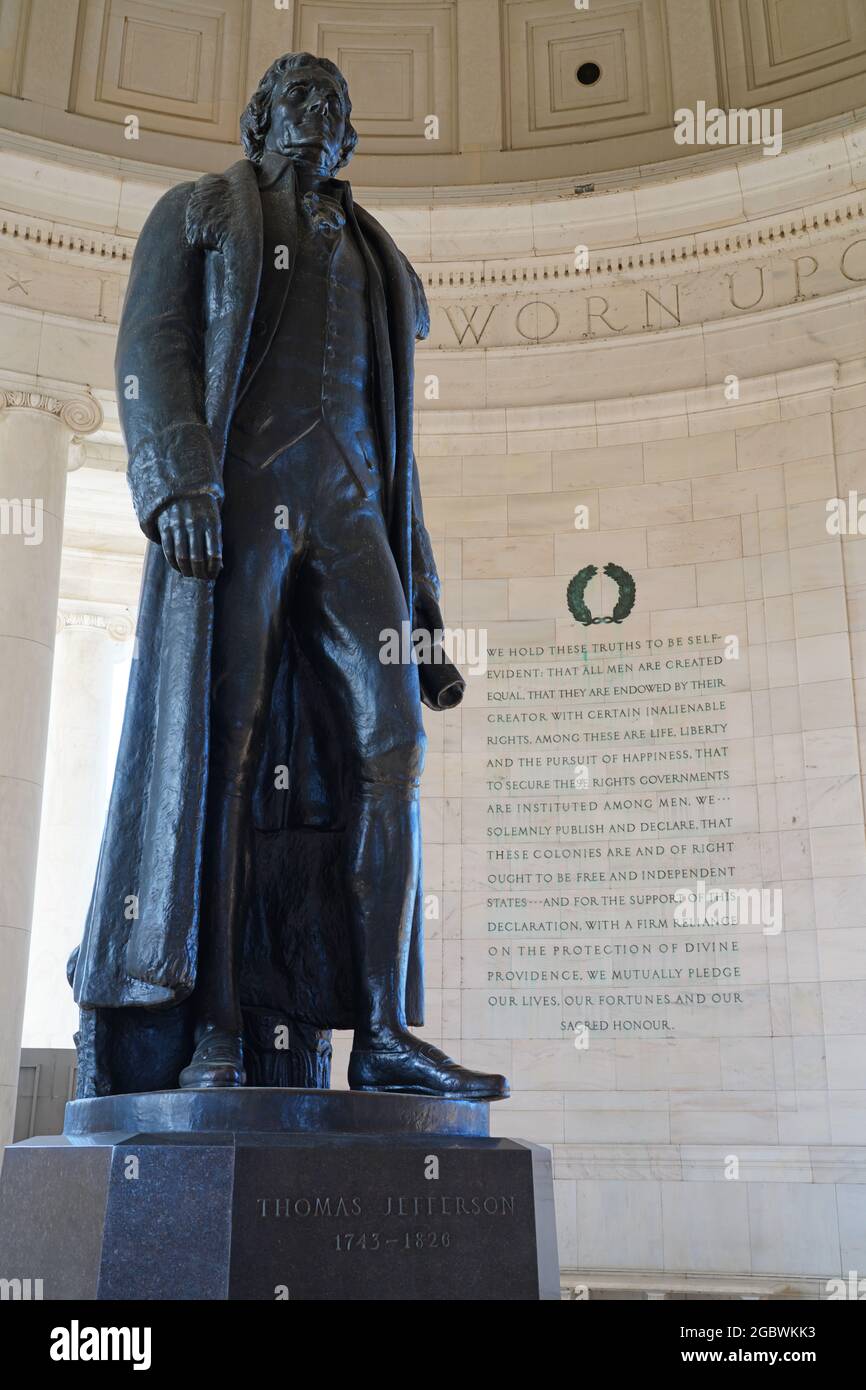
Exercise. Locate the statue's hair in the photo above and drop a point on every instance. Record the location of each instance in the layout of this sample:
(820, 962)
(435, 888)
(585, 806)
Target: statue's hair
(257, 117)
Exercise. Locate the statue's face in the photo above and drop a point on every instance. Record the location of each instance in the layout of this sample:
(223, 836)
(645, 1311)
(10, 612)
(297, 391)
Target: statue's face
(307, 119)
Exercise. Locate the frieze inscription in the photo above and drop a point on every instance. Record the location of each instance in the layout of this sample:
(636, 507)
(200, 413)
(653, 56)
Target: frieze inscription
(578, 308)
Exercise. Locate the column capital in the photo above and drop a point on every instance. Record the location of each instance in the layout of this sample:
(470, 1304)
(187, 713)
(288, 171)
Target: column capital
(73, 405)
(116, 623)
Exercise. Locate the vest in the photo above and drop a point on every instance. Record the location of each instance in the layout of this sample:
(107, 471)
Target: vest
(319, 367)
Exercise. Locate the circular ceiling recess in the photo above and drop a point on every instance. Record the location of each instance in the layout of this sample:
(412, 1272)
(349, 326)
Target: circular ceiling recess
(588, 74)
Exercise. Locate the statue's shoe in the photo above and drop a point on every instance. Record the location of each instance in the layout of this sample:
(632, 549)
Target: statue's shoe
(217, 1061)
(423, 1070)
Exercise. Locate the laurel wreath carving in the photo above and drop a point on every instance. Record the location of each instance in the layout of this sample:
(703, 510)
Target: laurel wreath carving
(574, 594)
(627, 591)
(577, 587)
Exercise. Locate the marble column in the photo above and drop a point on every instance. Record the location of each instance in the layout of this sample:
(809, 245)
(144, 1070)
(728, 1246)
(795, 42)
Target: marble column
(91, 644)
(36, 430)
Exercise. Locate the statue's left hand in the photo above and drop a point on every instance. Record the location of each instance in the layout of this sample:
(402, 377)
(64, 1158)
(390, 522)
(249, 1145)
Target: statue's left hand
(191, 533)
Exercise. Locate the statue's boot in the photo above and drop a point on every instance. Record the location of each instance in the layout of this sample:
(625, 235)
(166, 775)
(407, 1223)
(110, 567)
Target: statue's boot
(218, 1060)
(406, 1063)
(385, 871)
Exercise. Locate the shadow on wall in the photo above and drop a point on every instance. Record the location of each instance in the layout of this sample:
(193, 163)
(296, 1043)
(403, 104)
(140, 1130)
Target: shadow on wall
(46, 1081)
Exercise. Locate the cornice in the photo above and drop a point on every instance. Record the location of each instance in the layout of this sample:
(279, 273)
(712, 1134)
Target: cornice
(717, 189)
(639, 260)
(636, 260)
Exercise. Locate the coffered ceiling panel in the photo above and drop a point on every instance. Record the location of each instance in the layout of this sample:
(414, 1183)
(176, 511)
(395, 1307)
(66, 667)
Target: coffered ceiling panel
(399, 61)
(773, 49)
(176, 66)
(584, 74)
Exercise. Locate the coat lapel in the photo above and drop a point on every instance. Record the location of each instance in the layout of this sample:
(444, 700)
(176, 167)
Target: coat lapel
(233, 273)
(400, 332)
(360, 221)
(278, 215)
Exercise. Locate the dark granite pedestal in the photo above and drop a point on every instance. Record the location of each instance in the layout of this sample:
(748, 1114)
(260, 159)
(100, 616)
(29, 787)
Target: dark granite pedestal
(269, 1194)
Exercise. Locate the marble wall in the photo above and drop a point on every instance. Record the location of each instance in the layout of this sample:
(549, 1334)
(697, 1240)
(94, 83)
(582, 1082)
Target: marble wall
(718, 511)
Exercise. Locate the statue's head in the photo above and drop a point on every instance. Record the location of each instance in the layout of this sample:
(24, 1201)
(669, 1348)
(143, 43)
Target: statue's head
(301, 108)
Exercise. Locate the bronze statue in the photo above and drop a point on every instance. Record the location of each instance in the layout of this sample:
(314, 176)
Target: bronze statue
(260, 868)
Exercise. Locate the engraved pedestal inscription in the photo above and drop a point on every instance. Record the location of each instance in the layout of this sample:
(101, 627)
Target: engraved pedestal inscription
(423, 1219)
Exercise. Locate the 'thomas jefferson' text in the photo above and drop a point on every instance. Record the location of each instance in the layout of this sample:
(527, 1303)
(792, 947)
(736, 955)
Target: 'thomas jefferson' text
(434, 1205)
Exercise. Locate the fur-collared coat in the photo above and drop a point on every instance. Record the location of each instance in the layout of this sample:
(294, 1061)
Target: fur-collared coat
(183, 354)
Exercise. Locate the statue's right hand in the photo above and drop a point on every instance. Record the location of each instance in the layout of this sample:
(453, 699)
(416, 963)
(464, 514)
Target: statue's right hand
(191, 535)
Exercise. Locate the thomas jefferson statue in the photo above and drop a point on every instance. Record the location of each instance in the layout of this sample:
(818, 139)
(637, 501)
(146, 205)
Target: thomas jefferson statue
(260, 870)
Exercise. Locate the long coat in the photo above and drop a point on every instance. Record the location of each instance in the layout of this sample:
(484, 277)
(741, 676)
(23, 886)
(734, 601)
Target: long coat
(184, 352)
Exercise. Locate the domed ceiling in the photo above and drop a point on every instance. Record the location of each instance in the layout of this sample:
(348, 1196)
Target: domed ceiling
(445, 92)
